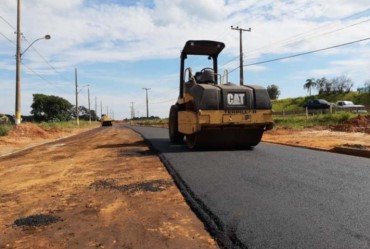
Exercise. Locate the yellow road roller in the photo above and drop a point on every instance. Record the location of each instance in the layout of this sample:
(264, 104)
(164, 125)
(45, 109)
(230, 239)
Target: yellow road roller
(105, 120)
(210, 113)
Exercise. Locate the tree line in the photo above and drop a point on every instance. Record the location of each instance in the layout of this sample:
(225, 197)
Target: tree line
(50, 108)
(341, 84)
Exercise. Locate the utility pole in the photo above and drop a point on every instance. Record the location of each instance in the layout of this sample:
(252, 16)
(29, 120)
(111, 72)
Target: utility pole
(132, 110)
(147, 106)
(18, 68)
(96, 109)
(88, 95)
(77, 112)
(101, 108)
(18, 58)
(241, 51)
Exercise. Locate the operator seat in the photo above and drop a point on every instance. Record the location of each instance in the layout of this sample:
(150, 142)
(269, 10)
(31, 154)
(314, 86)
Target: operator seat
(208, 76)
(198, 77)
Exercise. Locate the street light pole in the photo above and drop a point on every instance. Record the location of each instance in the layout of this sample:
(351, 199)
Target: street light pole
(19, 54)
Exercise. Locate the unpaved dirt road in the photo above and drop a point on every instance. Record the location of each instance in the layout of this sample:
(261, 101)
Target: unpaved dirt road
(103, 188)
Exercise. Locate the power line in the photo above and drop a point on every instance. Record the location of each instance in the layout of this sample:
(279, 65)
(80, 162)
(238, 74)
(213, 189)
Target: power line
(7, 23)
(48, 63)
(38, 53)
(8, 39)
(43, 78)
(310, 32)
(340, 29)
(300, 54)
(304, 36)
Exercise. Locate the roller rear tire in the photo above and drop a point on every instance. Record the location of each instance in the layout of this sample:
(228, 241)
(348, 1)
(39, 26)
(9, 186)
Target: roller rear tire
(173, 126)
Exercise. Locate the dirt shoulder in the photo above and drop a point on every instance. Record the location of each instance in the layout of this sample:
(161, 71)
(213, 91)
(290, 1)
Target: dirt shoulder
(323, 139)
(103, 188)
(351, 137)
(28, 135)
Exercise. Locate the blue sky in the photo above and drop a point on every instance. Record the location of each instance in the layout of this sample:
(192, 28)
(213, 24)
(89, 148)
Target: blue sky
(122, 46)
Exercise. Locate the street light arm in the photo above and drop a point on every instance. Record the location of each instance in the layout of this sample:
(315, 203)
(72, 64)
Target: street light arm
(46, 37)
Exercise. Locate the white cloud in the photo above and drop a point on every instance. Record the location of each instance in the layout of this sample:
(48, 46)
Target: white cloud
(106, 32)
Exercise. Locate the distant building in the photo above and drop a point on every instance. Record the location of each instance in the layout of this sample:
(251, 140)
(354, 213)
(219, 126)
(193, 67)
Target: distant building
(363, 89)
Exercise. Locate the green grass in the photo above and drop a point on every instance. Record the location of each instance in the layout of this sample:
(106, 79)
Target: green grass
(152, 122)
(67, 125)
(62, 126)
(300, 122)
(4, 130)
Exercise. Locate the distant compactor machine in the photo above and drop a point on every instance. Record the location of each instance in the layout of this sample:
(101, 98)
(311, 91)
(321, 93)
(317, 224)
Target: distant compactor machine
(105, 120)
(210, 114)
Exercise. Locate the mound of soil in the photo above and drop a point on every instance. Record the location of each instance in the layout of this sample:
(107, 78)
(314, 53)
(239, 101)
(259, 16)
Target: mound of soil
(358, 124)
(28, 130)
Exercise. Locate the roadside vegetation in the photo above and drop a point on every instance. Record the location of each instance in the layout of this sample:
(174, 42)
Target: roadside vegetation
(158, 122)
(50, 108)
(321, 120)
(51, 113)
(295, 105)
(4, 130)
(53, 126)
(290, 113)
(65, 125)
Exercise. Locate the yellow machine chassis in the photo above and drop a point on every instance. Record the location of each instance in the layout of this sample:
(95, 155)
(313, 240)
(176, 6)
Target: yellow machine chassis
(190, 122)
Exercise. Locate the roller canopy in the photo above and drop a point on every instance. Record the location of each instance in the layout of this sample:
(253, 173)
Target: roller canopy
(202, 47)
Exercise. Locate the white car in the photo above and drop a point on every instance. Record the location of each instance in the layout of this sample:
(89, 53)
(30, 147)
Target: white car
(350, 106)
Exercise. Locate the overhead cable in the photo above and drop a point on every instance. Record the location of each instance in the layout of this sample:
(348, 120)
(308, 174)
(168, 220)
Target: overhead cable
(300, 54)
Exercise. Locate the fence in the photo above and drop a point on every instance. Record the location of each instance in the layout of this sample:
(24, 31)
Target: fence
(306, 112)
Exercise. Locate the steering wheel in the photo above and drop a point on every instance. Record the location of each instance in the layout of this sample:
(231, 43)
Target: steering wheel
(207, 68)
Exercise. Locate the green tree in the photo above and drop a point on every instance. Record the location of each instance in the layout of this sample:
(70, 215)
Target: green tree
(273, 91)
(342, 84)
(84, 113)
(310, 83)
(322, 84)
(50, 108)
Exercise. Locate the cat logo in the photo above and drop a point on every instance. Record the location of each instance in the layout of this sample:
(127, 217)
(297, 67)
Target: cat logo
(235, 98)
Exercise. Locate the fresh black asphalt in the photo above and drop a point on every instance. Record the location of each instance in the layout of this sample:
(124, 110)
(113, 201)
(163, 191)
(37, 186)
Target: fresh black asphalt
(273, 196)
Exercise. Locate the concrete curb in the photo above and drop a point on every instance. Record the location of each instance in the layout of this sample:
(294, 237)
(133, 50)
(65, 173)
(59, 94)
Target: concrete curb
(352, 151)
(338, 149)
